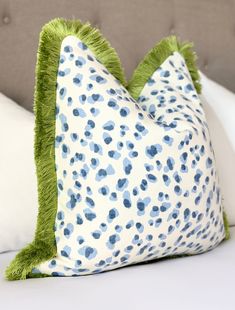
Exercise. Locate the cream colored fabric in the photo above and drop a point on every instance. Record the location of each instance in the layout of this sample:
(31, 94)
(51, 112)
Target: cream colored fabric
(151, 190)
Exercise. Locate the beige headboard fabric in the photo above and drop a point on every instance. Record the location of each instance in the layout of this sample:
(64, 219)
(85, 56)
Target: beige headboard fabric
(132, 27)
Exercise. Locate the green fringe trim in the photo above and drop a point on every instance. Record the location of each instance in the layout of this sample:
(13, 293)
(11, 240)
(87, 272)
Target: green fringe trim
(154, 59)
(226, 226)
(43, 247)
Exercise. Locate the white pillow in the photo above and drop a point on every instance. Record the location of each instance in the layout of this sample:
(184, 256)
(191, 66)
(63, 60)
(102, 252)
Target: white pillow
(219, 105)
(18, 192)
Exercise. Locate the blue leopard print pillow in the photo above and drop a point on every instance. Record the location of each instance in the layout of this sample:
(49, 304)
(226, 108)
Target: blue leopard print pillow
(124, 176)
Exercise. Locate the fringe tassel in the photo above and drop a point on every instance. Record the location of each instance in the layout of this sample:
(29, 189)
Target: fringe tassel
(157, 55)
(226, 226)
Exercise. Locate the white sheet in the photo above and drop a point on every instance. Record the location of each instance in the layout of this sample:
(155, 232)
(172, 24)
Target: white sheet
(205, 281)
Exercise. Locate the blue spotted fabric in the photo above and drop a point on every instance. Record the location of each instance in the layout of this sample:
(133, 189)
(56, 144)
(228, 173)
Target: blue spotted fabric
(136, 179)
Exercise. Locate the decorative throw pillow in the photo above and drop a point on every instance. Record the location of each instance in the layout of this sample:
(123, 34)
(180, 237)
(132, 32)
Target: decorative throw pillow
(124, 176)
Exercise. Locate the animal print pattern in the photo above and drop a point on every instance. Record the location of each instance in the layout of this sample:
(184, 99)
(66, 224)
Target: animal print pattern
(136, 180)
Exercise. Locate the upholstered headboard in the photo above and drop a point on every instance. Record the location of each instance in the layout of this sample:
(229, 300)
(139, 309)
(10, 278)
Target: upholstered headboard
(132, 27)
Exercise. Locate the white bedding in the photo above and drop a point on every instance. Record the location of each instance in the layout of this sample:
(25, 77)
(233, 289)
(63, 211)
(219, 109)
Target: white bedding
(208, 280)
